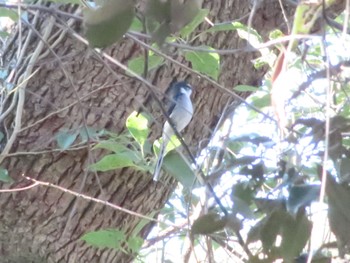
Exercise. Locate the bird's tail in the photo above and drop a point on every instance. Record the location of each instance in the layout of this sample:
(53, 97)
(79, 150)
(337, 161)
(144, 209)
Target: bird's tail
(158, 167)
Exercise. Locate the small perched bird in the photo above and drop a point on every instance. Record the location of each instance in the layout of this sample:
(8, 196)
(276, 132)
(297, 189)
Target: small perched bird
(180, 112)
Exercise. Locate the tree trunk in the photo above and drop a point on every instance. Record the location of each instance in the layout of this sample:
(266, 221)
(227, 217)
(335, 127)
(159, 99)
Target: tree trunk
(43, 224)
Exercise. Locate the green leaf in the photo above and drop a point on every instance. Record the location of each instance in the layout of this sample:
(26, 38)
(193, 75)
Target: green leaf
(158, 10)
(111, 146)
(6, 12)
(244, 32)
(249, 34)
(267, 58)
(275, 34)
(255, 170)
(135, 243)
(115, 161)
(137, 65)
(178, 168)
(4, 34)
(338, 207)
(270, 228)
(109, 22)
(301, 195)
(267, 205)
(173, 144)
(199, 18)
(222, 27)
(205, 62)
(143, 222)
(241, 207)
(109, 238)
(170, 15)
(243, 191)
(344, 169)
(65, 139)
(295, 234)
(235, 26)
(252, 138)
(137, 125)
(245, 88)
(262, 101)
(242, 196)
(136, 25)
(4, 176)
(208, 224)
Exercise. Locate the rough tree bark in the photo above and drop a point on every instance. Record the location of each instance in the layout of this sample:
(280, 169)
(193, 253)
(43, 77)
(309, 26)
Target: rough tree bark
(43, 224)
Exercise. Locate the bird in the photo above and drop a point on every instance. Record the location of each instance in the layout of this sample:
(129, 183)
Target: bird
(180, 113)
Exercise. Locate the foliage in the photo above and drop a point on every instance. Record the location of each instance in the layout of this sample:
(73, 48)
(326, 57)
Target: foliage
(268, 174)
(100, 22)
(4, 176)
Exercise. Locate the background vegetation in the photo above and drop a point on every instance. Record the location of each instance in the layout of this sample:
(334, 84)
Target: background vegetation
(261, 174)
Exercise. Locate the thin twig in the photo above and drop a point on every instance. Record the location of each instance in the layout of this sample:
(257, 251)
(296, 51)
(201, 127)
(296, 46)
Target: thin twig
(72, 148)
(96, 200)
(19, 189)
(64, 108)
(270, 43)
(21, 92)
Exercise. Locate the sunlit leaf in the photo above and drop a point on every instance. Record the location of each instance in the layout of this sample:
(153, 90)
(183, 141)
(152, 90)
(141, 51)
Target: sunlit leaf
(117, 160)
(108, 23)
(173, 144)
(109, 238)
(205, 62)
(276, 34)
(137, 124)
(245, 32)
(251, 36)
